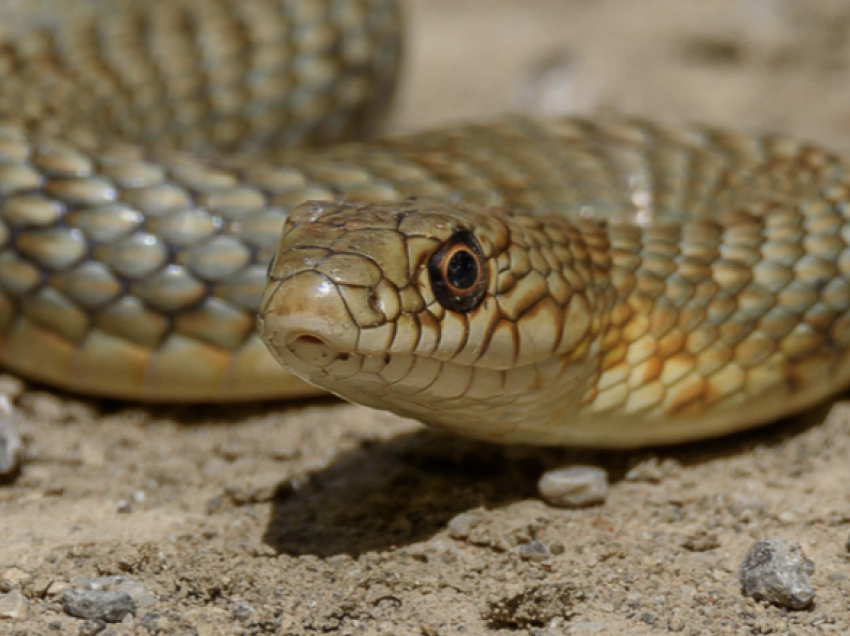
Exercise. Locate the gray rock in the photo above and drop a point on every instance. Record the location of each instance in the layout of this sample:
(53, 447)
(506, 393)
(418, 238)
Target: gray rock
(777, 571)
(535, 551)
(110, 607)
(137, 591)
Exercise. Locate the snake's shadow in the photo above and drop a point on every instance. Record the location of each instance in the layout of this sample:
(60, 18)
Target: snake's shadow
(386, 495)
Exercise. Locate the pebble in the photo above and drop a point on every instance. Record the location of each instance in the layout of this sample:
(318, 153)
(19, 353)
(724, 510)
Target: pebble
(13, 578)
(535, 551)
(110, 607)
(652, 470)
(574, 487)
(136, 590)
(525, 606)
(701, 541)
(461, 525)
(92, 628)
(777, 570)
(156, 623)
(13, 605)
(11, 447)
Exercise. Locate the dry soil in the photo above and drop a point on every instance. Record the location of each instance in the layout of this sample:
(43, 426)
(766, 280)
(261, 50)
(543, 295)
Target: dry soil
(325, 517)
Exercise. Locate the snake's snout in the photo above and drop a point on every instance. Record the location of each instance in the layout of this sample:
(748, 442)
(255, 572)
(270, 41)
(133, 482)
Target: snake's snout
(304, 322)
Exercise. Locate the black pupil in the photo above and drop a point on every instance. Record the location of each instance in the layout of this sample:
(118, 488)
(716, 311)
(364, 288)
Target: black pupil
(462, 271)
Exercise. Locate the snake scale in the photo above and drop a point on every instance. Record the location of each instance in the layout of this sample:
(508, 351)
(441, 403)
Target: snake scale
(564, 281)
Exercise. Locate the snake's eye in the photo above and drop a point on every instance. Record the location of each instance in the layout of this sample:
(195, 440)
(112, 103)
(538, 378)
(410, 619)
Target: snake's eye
(458, 273)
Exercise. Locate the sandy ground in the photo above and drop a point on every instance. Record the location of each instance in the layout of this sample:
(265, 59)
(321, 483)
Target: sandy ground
(325, 517)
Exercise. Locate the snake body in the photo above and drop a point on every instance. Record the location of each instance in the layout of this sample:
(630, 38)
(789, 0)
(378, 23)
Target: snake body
(144, 179)
(630, 285)
(552, 282)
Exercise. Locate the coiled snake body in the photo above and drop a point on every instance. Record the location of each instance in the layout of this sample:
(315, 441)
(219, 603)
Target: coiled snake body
(550, 282)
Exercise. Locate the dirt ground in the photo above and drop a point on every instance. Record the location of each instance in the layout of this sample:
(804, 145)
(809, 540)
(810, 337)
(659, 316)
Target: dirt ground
(325, 517)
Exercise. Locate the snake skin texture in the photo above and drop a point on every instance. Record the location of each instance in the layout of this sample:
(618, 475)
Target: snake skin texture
(639, 285)
(129, 269)
(551, 282)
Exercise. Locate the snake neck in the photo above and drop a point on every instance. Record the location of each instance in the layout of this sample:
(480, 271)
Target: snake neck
(707, 325)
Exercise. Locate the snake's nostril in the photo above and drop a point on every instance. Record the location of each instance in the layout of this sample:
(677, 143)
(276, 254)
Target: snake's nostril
(310, 340)
(313, 350)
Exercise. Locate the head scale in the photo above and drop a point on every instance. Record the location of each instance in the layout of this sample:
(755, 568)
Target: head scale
(435, 312)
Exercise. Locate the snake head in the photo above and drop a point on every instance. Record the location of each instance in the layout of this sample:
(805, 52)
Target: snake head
(421, 308)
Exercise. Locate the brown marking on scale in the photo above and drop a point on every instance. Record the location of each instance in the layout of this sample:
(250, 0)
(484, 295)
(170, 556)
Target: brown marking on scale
(406, 335)
(671, 344)
(662, 320)
(450, 330)
(732, 277)
(493, 318)
(577, 325)
(581, 352)
(614, 356)
(799, 346)
(589, 397)
(651, 369)
(714, 357)
(649, 286)
(623, 283)
(839, 333)
(792, 382)
(639, 305)
(686, 396)
(733, 332)
(520, 261)
(427, 325)
(636, 328)
(720, 388)
(526, 293)
(617, 374)
(504, 335)
(690, 318)
(549, 310)
(505, 282)
(613, 338)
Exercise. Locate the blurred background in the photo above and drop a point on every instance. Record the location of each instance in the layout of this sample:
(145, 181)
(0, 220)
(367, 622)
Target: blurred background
(758, 65)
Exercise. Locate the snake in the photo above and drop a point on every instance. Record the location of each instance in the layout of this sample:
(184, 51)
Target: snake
(192, 209)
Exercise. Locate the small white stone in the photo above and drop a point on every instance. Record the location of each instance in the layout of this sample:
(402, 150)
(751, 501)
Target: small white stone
(574, 487)
(13, 605)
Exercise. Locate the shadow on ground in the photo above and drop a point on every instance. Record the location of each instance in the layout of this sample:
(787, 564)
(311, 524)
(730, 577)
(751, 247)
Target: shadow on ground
(385, 495)
(394, 493)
